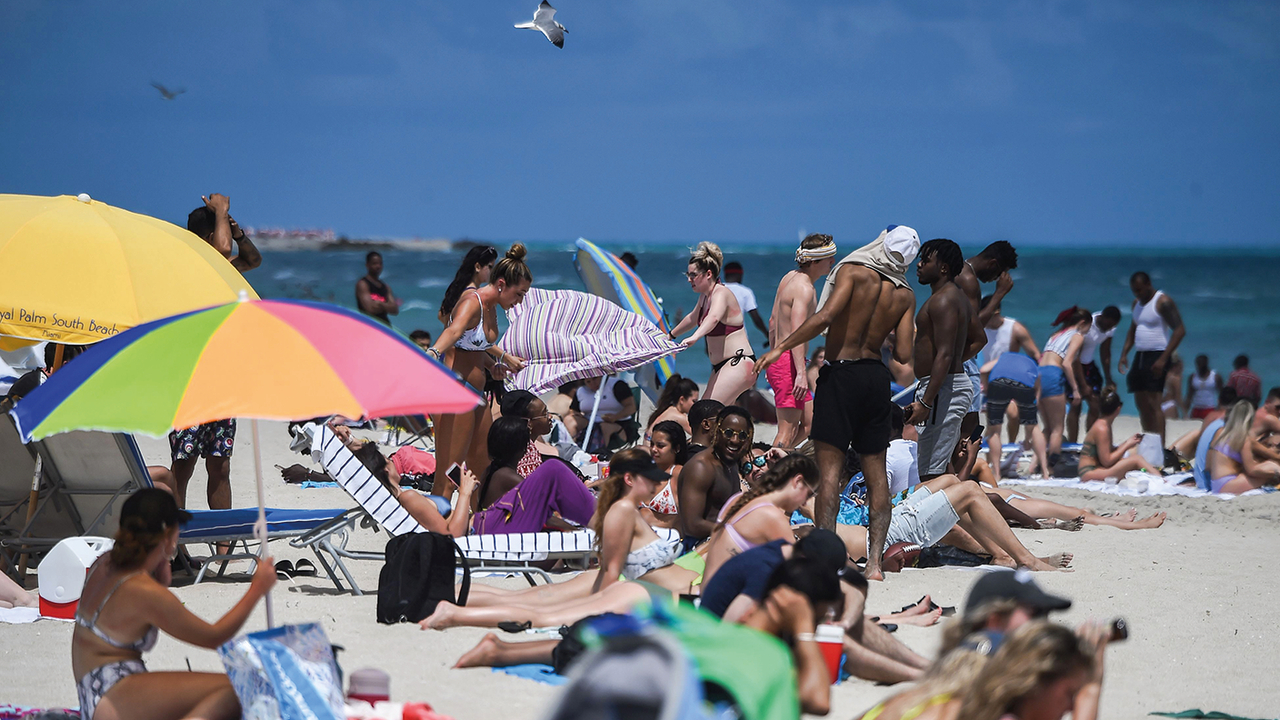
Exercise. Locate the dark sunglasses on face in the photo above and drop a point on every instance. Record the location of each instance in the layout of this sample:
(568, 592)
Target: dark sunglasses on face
(758, 461)
(732, 434)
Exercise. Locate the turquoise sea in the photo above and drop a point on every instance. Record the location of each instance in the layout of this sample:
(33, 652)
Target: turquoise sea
(1230, 301)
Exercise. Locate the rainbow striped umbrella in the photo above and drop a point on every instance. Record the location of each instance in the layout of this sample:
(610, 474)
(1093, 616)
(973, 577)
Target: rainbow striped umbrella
(267, 359)
(610, 278)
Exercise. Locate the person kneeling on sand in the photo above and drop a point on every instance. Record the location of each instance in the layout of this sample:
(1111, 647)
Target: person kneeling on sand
(797, 595)
(629, 548)
(126, 602)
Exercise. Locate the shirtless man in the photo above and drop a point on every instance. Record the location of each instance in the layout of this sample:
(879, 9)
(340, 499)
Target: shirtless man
(712, 476)
(1156, 331)
(793, 304)
(947, 332)
(991, 265)
(866, 298)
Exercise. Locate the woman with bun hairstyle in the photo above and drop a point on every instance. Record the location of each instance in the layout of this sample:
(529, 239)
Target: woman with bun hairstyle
(126, 602)
(467, 346)
(718, 318)
(678, 396)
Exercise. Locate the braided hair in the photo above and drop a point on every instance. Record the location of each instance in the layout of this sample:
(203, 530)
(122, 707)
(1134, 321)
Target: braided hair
(775, 478)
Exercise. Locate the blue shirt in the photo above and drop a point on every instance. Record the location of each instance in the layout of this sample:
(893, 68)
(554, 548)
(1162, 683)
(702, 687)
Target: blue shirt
(1016, 367)
(744, 574)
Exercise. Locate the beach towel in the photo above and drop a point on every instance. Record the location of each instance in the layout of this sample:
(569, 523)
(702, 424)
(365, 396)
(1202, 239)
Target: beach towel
(890, 254)
(19, 616)
(536, 672)
(1135, 484)
(20, 712)
(1198, 713)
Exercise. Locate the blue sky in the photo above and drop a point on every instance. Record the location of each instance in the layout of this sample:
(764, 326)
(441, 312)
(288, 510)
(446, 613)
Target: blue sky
(1046, 123)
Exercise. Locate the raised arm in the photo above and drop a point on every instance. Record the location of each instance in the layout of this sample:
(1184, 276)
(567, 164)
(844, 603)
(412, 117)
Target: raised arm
(817, 322)
(1004, 284)
(169, 614)
(220, 205)
(247, 255)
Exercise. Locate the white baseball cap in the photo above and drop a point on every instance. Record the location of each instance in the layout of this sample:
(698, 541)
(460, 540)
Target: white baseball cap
(902, 243)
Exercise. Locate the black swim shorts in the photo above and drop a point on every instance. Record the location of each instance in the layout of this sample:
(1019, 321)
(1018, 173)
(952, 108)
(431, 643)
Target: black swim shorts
(851, 406)
(1001, 392)
(1141, 377)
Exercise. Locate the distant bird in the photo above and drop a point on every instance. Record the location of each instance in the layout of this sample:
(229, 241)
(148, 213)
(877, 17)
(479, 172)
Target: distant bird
(165, 92)
(544, 20)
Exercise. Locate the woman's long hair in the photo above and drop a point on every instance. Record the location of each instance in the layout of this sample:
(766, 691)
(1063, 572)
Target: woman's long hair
(677, 388)
(972, 621)
(777, 477)
(613, 488)
(477, 255)
(1235, 428)
(675, 435)
(1032, 655)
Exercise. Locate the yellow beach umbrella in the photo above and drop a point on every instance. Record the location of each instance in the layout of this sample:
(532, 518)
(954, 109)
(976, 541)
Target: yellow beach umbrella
(77, 271)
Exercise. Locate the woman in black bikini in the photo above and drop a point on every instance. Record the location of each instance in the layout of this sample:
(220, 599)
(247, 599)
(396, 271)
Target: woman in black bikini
(718, 318)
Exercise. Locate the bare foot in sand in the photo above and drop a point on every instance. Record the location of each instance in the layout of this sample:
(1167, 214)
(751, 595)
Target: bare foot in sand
(482, 655)
(924, 619)
(1056, 561)
(1072, 525)
(1154, 521)
(919, 608)
(440, 619)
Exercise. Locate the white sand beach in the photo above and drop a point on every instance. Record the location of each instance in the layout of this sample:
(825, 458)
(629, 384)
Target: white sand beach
(1196, 593)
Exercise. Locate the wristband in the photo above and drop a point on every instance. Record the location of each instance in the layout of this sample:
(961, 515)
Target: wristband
(805, 637)
(926, 405)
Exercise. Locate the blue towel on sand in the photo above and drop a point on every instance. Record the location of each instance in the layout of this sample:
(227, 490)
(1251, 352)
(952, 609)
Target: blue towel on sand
(314, 484)
(536, 672)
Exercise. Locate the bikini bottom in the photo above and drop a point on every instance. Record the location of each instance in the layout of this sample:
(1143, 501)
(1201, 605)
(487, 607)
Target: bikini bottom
(732, 360)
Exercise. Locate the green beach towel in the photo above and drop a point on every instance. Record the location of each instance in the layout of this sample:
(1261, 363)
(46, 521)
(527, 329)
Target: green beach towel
(1198, 713)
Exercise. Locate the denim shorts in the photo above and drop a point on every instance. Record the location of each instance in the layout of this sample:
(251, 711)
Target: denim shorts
(923, 518)
(1053, 381)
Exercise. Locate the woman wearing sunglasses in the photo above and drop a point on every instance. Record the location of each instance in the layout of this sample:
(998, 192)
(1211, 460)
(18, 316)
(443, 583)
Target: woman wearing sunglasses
(718, 318)
(763, 513)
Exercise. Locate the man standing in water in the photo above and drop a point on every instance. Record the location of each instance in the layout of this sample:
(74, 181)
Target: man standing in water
(373, 296)
(947, 332)
(793, 304)
(865, 299)
(1155, 333)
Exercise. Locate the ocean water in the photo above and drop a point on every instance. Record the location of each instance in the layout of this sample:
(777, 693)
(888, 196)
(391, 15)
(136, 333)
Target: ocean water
(1230, 301)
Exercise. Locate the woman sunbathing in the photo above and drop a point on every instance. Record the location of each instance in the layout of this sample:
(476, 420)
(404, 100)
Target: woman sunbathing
(1062, 517)
(126, 601)
(1233, 466)
(628, 548)
(1100, 460)
(763, 513)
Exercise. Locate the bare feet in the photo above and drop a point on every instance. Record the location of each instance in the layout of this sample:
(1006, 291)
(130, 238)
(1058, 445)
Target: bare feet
(440, 619)
(481, 655)
(1072, 525)
(919, 608)
(924, 619)
(1152, 522)
(1130, 515)
(876, 574)
(1056, 561)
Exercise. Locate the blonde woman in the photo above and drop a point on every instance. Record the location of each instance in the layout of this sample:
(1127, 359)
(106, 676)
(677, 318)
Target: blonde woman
(718, 318)
(467, 346)
(1232, 464)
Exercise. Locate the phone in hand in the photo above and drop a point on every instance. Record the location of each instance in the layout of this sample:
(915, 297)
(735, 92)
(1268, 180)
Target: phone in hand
(455, 473)
(976, 435)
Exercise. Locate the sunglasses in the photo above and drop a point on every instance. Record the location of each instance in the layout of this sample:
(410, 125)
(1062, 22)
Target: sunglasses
(758, 461)
(692, 275)
(735, 434)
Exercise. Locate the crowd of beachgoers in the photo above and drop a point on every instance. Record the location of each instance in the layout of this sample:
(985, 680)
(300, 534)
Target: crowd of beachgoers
(877, 464)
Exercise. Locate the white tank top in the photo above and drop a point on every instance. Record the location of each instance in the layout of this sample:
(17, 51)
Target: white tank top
(1204, 390)
(1151, 334)
(1059, 343)
(999, 341)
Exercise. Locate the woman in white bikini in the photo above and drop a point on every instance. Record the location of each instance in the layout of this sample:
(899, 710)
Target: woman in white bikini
(467, 346)
(126, 602)
(717, 317)
(629, 549)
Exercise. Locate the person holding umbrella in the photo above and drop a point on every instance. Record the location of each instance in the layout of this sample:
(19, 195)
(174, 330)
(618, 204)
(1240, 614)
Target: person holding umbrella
(468, 346)
(717, 317)
(126, 602)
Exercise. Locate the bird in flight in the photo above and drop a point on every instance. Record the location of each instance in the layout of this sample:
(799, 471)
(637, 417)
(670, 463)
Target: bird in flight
(165, 92)
(544, 21)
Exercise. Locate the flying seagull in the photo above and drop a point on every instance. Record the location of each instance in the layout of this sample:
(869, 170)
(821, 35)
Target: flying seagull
(544, 20)
(165, 92)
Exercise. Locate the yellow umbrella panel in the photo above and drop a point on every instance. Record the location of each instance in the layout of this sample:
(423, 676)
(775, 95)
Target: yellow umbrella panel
(78, 271)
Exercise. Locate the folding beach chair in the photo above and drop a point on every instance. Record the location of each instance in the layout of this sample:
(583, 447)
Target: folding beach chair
(513, 553)
(416, 429)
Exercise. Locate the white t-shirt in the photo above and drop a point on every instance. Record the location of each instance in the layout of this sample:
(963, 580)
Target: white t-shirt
(1093, 339)
(746, 298)
(610, 400)
(902, 464)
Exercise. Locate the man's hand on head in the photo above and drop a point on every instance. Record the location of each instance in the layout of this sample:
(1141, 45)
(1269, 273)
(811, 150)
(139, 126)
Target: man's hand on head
(1004, 283)
(217, 202)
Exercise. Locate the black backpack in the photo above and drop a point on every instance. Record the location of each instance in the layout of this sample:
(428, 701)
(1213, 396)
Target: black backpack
(418, 575)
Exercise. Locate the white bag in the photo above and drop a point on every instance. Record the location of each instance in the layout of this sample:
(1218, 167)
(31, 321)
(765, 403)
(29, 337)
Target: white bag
(1152, 449)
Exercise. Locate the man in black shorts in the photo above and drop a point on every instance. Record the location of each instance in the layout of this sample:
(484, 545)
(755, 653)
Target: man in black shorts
(866, 299)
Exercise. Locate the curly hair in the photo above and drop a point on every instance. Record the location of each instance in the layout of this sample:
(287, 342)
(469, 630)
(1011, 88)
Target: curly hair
(947, 252)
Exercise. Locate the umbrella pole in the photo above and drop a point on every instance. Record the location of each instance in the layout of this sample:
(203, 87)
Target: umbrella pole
(260, 527)
(586, 439)
(32, 502)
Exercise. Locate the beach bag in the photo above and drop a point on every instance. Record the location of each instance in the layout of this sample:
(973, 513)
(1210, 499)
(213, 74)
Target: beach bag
(284, 673)
(418, 575)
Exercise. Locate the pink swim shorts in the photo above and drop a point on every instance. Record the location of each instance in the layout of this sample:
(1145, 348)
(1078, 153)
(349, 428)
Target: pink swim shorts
(782, 378)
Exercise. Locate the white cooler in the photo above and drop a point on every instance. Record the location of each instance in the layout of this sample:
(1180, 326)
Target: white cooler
(61, 573)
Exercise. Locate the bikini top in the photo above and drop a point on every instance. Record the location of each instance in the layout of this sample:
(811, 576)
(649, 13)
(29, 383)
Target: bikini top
(664, 503)
(474, 339)
(721, 329)
(142, 644)
(729, 529)
(655, 555)
(915, 711)
(1228, 451)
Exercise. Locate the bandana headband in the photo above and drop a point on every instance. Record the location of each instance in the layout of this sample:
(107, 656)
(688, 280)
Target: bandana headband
(805, 255)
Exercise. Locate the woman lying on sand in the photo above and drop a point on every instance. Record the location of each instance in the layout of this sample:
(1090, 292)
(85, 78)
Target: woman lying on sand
(628, 548)
(1099, 459)
(126, 601)
(1232, 464)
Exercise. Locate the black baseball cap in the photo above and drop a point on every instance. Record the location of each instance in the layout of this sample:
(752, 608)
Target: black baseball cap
(1014, 585)
(642, 465)
(824, 546)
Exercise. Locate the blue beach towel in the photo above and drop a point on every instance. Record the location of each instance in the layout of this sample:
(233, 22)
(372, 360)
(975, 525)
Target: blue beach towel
(536, 672)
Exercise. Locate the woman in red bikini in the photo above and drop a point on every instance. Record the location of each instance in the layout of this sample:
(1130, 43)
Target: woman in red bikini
(718, 318)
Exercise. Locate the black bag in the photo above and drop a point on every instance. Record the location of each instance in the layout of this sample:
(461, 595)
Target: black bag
(940, 555)
(418, 575)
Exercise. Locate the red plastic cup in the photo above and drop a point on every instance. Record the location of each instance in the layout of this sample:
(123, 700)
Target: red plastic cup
(830, 638)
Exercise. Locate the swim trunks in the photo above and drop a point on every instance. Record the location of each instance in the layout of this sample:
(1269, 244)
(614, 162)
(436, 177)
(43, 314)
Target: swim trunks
(1001, 392)
(1092, 376)
(851, 406)
(213, 439)
(782, 378)
(1142, 378)
(973, 370)
(941, 429)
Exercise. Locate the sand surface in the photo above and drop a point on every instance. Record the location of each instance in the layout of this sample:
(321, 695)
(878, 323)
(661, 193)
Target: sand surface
(1197, 594)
